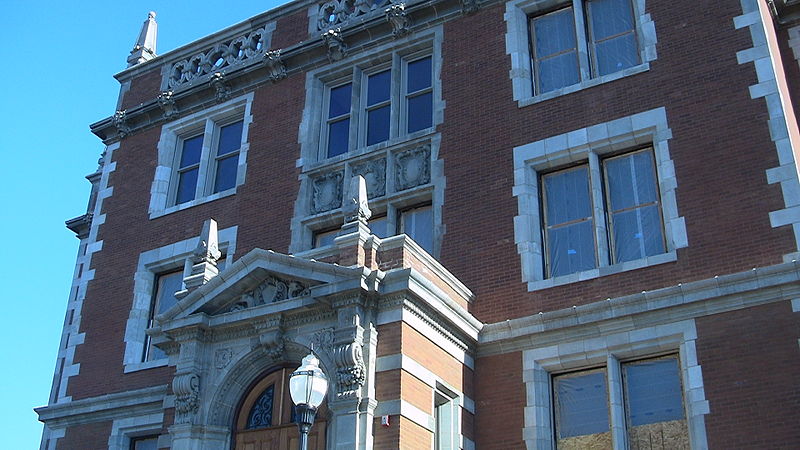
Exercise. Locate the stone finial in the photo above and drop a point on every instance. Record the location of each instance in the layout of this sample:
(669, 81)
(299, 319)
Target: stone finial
(356, 207)
(203, 260)
(145, 47)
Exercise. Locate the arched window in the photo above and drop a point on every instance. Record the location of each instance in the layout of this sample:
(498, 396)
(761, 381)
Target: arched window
(265, 418)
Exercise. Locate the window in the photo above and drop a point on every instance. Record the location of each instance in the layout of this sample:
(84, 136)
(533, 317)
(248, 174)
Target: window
(610, 39)
(652, 401)
(208, 169)
(558, 47)
(634, 225)
(446, 417)
(588, 208)
(167, 284)
(144, 443)
(201, 157)
(370, 107)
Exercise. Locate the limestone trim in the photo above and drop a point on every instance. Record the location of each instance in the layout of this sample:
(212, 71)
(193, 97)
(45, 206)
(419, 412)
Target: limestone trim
(124, 430)
(138, 402)
(609, 349)
(773, 91)
(89, 245)
(588, 144)
(517, 16)
(684, 301)
(150, 264)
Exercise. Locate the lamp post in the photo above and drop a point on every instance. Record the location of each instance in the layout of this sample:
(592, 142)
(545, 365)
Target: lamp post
(307, 386)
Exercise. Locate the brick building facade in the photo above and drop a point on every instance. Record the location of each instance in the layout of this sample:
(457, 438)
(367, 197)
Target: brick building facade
(523, 224)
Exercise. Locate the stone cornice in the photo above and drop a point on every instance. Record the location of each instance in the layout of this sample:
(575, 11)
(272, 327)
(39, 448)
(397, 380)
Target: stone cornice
(105, 407)
(684, 301)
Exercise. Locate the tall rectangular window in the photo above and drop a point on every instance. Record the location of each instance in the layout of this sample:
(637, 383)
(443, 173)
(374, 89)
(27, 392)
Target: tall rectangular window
(419, 94)
(581, 408)
(417, 223)
(339, 101)
(574, 44)
(166, 285)
(625, 219)
(378, 106)
(189, 168)
(227, 157)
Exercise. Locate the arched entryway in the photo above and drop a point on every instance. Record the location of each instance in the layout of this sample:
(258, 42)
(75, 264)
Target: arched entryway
(265, 417)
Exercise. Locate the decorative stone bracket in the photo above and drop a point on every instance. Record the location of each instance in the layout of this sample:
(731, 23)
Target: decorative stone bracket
(337, 49)
(351, 372)
(221, 86)
(166, 101)
(275, 64)
(186, 388)
(469, 6)
(399, 19)
(270, 337)
(120, 123)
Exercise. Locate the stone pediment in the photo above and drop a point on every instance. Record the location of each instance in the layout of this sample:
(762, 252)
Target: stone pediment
(262, 278)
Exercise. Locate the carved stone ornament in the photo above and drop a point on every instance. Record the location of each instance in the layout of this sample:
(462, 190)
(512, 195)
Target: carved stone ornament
(223, 357)
(413, 167)
(220, 86)
(272, 290)
(235, 52)
(120, 123)
(274, 63)
(327, 192)
(270, 336)
(374, 173)
(186, 388)
(469, 6)
(322, 340)
(399, 19)
(166, 101)
(335, 13)
(337, 49)
(350, 370)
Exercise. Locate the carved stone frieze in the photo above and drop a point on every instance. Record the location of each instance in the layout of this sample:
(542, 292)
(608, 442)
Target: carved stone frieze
(413, 167)
(275, 289)
(274, 63)
(327, 192)
(223, 91)
(121, 123)
(374, 173)
(166, 101)
(237, 51)
(337, 49)
(335, 13)
(399, 19)
(186, 388)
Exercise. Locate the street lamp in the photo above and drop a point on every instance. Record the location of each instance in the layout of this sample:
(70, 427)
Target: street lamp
(307, 386)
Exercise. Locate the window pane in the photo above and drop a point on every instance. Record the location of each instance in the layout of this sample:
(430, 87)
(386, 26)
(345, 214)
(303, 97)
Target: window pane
(226, 173)
(190, 154)
(147, 443)
(187, 185)
(554, 33)
(230, 138)
(340, 100)
(557, 72)
(323, 238)
(420, 112)
(168, 285)
(378, 227)
(571, 248)
(417, 223)
(378, 87)
(419, 75)
(610, 17)
(653, 391)
(616, 54)
(631, 180)
(378, 125)
(581, 405)
(261, 413)
(567, 195)
(637, 233)
(338, 137)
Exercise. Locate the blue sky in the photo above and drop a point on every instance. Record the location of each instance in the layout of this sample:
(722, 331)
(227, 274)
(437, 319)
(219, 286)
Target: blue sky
(60, 60)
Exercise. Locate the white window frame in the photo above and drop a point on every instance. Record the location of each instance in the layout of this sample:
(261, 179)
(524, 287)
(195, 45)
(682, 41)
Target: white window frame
(541, 363)
(125, 430)
(589, 144)
(517, 16)
(170, 145)
(152, 263)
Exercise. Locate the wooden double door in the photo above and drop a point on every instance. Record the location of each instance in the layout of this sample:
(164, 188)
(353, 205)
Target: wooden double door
(265, 420)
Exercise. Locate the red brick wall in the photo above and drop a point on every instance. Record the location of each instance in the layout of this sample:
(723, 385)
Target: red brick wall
(499, 402)
(92, 436)
(144, 87)
(721, 149)
(290, 30)
(751, 363)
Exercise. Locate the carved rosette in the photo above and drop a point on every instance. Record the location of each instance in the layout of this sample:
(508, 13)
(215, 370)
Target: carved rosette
(120, 122)
(223, 91)
(396, 15)
(413, 167)
(337, 49)
(374, 173)
(237, 51)
(186, 388)
(327, 192)
(350, 369)
(274, 63)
